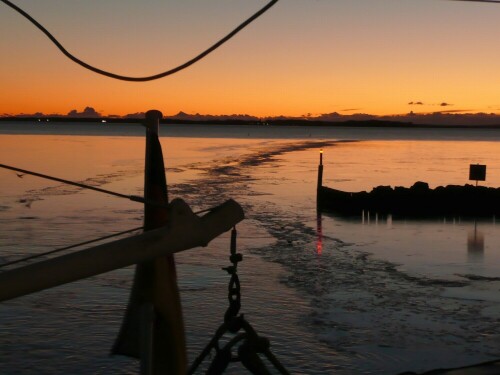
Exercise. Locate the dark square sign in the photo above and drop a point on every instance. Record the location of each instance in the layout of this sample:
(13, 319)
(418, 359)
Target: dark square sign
(477, 172)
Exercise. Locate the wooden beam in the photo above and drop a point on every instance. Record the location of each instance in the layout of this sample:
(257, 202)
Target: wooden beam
(184, 231)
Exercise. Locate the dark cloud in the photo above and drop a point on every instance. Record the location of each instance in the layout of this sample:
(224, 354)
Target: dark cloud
(135, 115)
(456, 111)
(351, 109)
(88, 112)
(443, 104)
(38, 114)
(329, 116)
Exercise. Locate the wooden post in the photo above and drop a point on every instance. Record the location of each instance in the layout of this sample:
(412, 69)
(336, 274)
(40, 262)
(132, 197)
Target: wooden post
(155, 282)
(147, 338)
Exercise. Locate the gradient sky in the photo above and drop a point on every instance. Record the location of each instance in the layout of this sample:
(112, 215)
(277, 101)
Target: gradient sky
(303, 56)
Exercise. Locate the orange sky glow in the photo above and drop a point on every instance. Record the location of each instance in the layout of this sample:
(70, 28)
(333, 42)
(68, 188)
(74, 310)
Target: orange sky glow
(301, 57)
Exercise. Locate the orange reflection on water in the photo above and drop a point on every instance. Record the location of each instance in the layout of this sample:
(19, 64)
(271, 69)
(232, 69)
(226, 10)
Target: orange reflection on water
(319, 231)
(475, 244)
(81, 157)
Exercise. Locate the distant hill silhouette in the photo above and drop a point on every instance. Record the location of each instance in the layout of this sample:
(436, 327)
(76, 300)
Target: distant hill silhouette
(443, 118)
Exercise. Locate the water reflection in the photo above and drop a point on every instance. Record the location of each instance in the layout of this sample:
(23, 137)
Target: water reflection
(475, 244)
(369, 218)
(475, 238)
(319, 232)
(437, 248)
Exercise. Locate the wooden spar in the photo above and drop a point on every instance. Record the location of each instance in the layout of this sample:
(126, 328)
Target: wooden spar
(185, 231)
(155, 283)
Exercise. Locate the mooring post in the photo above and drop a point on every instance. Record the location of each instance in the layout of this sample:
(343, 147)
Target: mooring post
(320, 170)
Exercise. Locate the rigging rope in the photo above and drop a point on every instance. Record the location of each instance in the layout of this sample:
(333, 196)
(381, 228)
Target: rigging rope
(25, 259)
(133, 198)
(147, 78)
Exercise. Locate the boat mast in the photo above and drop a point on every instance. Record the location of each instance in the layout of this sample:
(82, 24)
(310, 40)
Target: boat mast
(153, 327)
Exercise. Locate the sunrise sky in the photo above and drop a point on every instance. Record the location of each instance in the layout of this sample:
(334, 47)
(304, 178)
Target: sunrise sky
(303, 56)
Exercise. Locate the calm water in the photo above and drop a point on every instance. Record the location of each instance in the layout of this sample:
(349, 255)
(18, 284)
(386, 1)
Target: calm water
(369, 295)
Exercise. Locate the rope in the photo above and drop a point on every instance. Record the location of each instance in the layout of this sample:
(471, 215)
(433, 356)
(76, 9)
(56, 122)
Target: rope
(147, 78)
(133, 198)
(25, 259)
(171, 71)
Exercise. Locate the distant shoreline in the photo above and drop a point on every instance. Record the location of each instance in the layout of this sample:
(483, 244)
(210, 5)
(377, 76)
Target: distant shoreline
(290, 122)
